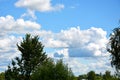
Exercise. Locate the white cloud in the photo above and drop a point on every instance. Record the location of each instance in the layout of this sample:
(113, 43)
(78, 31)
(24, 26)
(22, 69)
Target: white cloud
(8, 44)
(75, 42)
(61, 53)
(9, 24)
(84, 65)
(8, 50)
(29, 14)
(39, 5)
(77, 66)
(79, 43)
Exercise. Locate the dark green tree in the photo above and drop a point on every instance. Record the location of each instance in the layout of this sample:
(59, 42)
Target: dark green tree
(107, 76)
(91, 75)
(44, 72)
(53, 71)
(2, 76)
(62, 72)
(81, 77)
(113, 47)
(32, 56)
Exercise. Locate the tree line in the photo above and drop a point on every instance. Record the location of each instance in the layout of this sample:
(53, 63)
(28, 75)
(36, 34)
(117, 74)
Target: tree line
(46, 72)
(94, 76)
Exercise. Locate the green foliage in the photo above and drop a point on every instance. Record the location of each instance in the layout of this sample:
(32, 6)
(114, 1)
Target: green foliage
(52, 71)
(107, 75)
(91, 75)
(12, 73)
(44, 72)
(80, 77)
(2, 76)
(32, 56)
(114, 48)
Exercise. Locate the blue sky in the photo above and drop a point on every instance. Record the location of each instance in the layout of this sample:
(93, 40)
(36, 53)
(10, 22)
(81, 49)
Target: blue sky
(83, 13)
(68, 29)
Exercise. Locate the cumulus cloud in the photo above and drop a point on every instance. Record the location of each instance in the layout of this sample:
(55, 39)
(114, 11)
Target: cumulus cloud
(75, 42)
(91, 42)
(9, 24)
(79, 43)
(8, 45)
(84, 65)
(39, 5)
(8, 50)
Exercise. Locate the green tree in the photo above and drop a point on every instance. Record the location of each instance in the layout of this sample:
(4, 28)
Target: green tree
(81, 77)
(2, 76)
(63, 72)
(114, 48)
(44, 72)
(53, 71)
(107, 76)
(12, 73)
(91, 75)
(32, 56)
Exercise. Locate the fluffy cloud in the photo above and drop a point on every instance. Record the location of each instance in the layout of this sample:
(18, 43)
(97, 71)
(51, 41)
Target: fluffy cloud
(8, 50)
(91, 42)
(9, 24)
(79, 43)
(39, 5)
(84, 65)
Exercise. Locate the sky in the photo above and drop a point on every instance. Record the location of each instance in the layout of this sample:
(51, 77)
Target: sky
(75, 30)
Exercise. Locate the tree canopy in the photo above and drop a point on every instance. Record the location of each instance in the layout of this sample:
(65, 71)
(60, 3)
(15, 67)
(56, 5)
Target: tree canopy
(91, 75)
(53, 71)
(114, 48)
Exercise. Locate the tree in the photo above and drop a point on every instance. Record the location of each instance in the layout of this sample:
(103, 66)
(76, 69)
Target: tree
(44, 72)
(107, 76)
(91, 75)
(12, 73)
(53, 71)
(81, 77)
(62, 72)
(2, 76)
(32, 56)
(114, 48)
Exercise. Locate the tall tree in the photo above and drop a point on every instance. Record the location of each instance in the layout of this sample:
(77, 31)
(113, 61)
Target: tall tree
(91, 75)
(32, 56)
(114, 48)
